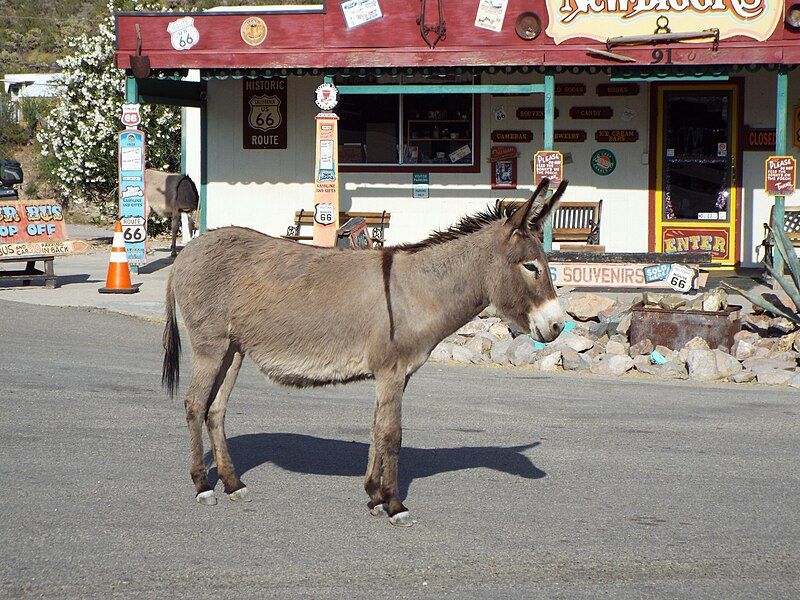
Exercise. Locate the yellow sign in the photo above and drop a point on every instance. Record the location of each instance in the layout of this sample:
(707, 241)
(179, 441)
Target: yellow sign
(326, 180)
(594, 19)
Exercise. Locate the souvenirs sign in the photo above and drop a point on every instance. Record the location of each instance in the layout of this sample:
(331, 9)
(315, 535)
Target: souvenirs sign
(550, 164)
(131, 163)
(533, 113)
(616, 135)
(594, 19)
(779, 175)
(619, 275)
(264, 111)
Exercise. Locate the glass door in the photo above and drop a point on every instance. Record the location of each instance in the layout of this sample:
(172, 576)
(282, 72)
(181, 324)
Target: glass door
(696, 196)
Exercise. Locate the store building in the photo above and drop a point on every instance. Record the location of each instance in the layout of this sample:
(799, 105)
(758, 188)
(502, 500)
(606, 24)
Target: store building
(664, 109)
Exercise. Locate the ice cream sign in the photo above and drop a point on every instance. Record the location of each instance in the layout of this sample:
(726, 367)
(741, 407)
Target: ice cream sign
(594, 19)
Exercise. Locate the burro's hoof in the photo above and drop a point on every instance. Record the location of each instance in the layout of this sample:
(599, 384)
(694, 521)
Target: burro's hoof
(208, 498)
(402, 519)
(241, 495)
(378, 510)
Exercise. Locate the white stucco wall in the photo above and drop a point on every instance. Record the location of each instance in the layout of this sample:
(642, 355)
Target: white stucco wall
(263, 188)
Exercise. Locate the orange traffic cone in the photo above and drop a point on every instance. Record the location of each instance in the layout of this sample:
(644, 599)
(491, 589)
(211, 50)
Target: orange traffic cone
(118, 280)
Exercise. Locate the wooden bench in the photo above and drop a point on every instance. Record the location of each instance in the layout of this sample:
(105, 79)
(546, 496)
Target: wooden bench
(791, 226)
(574, 221)
(30, 272)
(377, 221)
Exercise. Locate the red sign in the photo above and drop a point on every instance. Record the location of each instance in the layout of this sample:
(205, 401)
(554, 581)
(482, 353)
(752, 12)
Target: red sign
(779, 175)
(759, 139)
(696, 240)
(550, 164)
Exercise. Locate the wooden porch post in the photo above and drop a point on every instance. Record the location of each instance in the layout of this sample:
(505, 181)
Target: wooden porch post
(549, 118)
(780, 150)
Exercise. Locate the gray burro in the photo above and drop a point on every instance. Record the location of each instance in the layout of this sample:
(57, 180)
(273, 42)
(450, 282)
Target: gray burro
(765, 351)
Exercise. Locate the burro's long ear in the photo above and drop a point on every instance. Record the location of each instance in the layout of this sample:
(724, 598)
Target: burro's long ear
(543, 209)
(519, 220)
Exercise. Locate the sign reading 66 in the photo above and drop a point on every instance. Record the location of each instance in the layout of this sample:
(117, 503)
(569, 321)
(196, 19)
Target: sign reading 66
(323, 213)
(183, 33)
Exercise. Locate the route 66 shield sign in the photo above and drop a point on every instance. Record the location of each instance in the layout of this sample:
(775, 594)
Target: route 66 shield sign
(183, 33)
(265, 112)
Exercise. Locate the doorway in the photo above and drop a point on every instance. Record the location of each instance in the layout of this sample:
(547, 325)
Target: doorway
(696, 201)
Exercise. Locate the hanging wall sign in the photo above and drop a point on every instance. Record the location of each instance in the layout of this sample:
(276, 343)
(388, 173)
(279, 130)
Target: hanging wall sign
(569, 135)
(569, 19)
(603, 162)
(616, 135)
(519, 136)
(131, 163)
(504, 167)
(570, 89)
(779, 175)
(533, 113)
(591, 112)
(617, 89)
(756, 139)
(264, 114)
(549, 164)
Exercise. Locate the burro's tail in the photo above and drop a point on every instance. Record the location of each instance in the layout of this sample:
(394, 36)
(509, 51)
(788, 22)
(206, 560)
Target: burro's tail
(170, 373)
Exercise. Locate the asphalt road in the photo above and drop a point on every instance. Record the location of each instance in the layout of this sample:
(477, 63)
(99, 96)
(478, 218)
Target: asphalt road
(523, 485)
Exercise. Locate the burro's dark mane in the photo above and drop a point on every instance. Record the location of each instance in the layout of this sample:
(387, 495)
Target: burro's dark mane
(467, 225)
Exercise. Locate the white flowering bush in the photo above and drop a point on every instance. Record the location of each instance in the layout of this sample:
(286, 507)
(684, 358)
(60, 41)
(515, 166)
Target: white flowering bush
(78, 139)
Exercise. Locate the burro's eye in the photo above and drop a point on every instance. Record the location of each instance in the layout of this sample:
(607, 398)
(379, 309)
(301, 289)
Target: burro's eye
(533, 268)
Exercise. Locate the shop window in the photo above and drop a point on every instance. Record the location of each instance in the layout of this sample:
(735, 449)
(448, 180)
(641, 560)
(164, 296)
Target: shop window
(397, 130)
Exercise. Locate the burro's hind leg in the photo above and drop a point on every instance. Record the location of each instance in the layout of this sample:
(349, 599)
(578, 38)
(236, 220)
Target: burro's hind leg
(215, 422)
(386, 436)
(207, 374)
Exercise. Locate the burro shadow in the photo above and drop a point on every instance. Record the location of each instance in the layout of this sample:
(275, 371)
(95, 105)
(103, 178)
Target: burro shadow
(323, 456)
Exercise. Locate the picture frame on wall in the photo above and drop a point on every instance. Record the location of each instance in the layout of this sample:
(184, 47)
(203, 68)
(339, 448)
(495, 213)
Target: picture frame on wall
(504, 174)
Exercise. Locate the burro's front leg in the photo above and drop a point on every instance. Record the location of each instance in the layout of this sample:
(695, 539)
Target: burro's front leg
(386, 437)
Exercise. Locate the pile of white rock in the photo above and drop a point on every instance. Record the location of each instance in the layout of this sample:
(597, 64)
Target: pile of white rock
(765, 351)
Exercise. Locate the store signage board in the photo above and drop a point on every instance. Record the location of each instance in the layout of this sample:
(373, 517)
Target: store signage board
(591, 112)
(623, 275)
(517, 136)
(326, 180)
(549, 164)
(420, 185)
(617, 89)
(570, 19)
(696, 240)
(616, 135)
(570, 89)
(131, 164)
(566, 136)
(779, 175)
(32, 227)
(532, 113)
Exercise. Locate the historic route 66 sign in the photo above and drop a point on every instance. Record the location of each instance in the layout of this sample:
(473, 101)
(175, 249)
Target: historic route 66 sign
(681, 277)
(265, 112)
(183, 33)
(323, 213)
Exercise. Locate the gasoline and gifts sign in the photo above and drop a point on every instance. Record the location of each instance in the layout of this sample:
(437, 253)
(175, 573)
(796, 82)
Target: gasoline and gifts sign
(326, 167)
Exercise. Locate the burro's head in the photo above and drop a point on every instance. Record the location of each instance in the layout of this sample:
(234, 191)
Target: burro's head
(519, 282)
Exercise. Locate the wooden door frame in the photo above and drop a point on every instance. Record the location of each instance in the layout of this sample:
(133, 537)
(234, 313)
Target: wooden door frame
(736, 85)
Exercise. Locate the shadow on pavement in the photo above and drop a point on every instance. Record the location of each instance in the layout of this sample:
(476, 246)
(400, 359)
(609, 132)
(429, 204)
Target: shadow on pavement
(321, 456)
(156, 265)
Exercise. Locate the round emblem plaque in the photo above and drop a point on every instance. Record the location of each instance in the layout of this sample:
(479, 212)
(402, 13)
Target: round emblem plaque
(254, 31)
(603, 162)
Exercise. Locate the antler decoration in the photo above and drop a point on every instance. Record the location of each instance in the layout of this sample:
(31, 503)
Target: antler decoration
(439, 29)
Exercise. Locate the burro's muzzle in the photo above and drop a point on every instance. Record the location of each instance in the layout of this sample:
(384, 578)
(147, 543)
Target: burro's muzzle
(547, 321)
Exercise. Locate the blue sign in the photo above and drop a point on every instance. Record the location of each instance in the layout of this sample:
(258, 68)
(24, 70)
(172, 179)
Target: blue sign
(131, 145)
(656, 273)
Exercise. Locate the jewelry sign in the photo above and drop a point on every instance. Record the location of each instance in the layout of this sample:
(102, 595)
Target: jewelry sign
(131, 145)
(264, 112)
